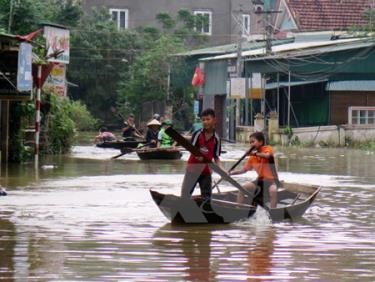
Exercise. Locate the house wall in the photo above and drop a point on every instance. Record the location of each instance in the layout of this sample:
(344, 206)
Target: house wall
(341, 101)
(225, 28)
(142, 13)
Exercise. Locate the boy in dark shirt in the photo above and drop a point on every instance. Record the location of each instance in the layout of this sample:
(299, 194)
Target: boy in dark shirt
(129, 132)
(208, 142)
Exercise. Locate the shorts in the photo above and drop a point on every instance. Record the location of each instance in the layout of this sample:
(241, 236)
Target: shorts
(263, 186)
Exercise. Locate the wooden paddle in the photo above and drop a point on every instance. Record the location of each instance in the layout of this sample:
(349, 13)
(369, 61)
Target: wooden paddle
(197, 153)
(130, 150)
(234, 166)
(122, 154)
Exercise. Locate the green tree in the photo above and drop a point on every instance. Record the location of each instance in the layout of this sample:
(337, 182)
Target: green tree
(149, 73)
(100, 58)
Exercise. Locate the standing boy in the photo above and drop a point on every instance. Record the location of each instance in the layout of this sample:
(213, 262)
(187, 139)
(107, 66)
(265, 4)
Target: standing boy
(208, 142)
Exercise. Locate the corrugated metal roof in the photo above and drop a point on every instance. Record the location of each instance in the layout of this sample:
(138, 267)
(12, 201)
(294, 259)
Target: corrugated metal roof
(285, 49)
(229, 48)
(351, 85)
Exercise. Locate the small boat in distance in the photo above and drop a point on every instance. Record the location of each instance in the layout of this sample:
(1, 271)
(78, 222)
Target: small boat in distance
(293, 201)
(159, 153)
(132, 144)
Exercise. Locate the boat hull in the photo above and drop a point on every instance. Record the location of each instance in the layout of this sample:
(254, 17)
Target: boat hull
(119, 144)
(159, 154)
(293, 201)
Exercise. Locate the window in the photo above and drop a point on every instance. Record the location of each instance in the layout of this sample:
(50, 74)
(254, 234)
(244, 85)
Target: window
(120, 17)
(204, 22)
(246, 25)
(362, 115)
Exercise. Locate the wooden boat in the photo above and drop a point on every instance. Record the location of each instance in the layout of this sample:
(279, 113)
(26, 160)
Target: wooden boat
(120, 144)
(293, 201)
(159, 154)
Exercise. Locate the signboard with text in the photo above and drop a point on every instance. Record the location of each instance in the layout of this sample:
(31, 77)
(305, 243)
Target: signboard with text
(56, 81)
(238, 88)
(58, 41)
(256, 86)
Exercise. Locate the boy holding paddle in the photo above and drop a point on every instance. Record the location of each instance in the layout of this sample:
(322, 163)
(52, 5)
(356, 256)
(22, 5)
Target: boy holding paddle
(208, 143)
(262, 161)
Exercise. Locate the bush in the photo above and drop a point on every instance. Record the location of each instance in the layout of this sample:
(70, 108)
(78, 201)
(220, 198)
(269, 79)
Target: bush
(57, 125)
(83, 119)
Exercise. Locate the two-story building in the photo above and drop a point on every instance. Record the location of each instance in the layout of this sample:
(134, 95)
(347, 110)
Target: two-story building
(226, 19)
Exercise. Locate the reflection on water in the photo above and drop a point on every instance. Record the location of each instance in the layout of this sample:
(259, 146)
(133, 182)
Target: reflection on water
(90, 218)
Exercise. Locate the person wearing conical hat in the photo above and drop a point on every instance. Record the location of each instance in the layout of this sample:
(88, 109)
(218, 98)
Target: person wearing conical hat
(152, 133)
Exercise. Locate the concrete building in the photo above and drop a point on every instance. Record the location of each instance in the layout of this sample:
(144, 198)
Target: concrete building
(226, 20)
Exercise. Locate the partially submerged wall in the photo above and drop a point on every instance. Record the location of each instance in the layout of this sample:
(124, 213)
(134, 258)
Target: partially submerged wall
(329, 135)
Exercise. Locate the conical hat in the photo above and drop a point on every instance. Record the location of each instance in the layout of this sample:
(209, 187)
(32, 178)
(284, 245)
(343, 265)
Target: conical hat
(154, 122)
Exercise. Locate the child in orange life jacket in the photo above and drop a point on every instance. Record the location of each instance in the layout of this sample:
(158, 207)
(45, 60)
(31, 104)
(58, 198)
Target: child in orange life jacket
(259, 160)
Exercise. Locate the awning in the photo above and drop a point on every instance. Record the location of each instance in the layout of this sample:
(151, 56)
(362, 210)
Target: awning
(281, 84)
(351, 85)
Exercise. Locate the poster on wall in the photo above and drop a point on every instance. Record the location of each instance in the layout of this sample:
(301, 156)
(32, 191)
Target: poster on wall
(256, 86)
(24, 72)
(56, 81)
(58, 42)
(238, 88)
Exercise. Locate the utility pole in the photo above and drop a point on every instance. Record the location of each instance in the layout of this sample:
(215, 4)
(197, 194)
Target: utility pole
(239, 70)
(267, 12)
(10, 22)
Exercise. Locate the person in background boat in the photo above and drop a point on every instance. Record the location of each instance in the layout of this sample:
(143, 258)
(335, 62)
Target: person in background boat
(153, 133)
(104, 136)
(157, 117)
(196, 125)
(142, 129)
(208, 142)
(259, 160)
(129, 132)
(165, 141)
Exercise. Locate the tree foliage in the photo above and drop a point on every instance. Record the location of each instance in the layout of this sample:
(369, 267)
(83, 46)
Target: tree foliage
(112, 67)
(148, 76)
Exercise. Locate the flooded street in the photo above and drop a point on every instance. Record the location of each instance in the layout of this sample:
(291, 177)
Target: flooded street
(86, 217)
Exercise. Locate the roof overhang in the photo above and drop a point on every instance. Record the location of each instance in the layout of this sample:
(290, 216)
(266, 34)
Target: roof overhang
(352, 85)
(299, 49)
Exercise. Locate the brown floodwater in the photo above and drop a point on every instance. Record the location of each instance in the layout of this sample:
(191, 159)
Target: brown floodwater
(83, 217)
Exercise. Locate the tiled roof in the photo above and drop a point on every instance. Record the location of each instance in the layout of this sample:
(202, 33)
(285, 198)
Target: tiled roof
(314, 15)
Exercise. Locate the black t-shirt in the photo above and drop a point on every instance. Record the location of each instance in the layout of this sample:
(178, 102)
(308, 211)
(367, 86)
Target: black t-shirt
(152, 135)
(129, 131)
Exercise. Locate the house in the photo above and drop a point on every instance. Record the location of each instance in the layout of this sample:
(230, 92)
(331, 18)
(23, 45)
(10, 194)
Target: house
(226, 20)
(321, 15)
(314, 86)
(13, 84)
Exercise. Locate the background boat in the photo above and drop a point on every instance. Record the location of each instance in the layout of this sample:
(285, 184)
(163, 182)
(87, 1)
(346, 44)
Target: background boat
(159, 154)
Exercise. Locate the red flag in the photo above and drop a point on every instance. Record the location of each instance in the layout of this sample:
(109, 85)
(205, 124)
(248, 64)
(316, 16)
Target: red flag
(198, 78)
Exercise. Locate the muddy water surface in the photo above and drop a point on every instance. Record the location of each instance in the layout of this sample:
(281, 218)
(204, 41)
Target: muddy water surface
(85, 217)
